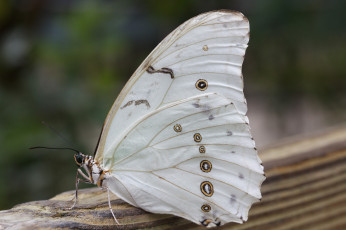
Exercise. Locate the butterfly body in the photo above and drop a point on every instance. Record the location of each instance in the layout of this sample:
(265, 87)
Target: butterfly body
(177, 139)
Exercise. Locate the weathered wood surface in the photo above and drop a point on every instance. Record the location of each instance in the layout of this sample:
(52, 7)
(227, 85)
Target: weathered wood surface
(305, 189)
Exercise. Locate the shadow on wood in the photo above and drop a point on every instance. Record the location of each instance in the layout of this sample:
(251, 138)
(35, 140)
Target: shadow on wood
(305, 189)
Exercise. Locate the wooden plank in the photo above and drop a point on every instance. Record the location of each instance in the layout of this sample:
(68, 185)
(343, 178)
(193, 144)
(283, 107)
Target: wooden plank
(305, 189)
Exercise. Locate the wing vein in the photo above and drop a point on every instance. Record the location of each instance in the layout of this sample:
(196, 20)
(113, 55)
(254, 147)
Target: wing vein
(206, 55)
(202, 129)
(204, 40)
(160, 131)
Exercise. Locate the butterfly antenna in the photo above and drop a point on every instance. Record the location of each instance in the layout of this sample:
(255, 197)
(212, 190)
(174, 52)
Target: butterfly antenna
(43, 147)
(57, 133)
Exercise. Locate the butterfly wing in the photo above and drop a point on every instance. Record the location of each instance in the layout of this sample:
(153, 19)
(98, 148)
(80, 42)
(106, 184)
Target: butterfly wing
(210, 46)
(198, 162)
(177, 138)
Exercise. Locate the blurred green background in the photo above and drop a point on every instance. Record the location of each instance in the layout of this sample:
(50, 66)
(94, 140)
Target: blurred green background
(64, 62)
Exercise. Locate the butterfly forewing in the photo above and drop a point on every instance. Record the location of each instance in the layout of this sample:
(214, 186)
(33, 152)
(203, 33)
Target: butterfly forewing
(145, 92)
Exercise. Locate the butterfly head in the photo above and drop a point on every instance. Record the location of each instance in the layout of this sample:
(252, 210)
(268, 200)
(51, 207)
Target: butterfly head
(79, 158)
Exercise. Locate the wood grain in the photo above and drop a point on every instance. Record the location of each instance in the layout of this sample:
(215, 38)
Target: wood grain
(305, 189)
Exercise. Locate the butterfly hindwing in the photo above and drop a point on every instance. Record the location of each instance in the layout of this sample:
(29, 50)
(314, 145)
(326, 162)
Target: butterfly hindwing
(166, 147)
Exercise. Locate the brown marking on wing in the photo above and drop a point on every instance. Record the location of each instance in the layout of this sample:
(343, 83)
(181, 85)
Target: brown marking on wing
(127, 104)
(137, 102)
(165, 70)
(151, 69)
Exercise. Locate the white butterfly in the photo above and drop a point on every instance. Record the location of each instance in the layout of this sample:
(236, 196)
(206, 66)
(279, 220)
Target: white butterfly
(177, 139)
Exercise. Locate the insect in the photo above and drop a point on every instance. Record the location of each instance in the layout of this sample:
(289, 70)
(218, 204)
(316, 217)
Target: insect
(177, 139)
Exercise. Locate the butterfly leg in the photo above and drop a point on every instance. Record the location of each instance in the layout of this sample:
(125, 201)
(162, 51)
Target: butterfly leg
(110, 207)
(75, 198)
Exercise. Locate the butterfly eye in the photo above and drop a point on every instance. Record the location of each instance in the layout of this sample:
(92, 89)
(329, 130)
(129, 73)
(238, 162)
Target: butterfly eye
(206, 208)
(197, 137)
(205, 166)
(177, 128)
(207, 188)
(79, 159)
(201, 84)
